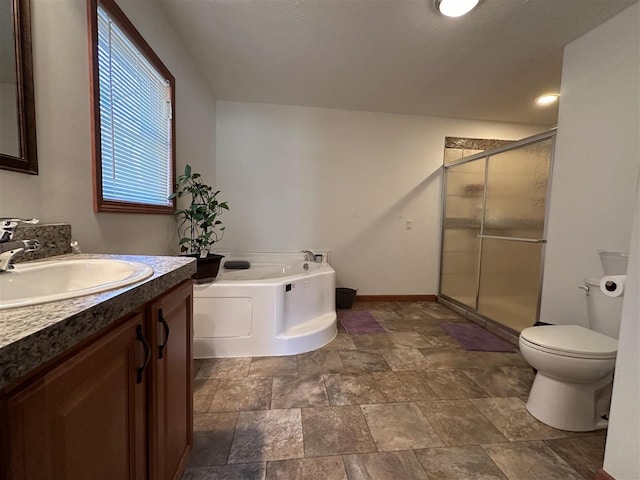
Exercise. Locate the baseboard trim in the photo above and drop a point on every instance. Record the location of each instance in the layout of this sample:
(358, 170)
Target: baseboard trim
(395, 298)
(602, 475)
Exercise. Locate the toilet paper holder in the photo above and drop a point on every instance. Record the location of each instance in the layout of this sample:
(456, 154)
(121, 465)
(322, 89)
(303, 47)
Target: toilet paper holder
(613, 285)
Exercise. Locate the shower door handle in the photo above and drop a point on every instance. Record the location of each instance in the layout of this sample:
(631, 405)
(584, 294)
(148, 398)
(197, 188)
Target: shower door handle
(513, 239)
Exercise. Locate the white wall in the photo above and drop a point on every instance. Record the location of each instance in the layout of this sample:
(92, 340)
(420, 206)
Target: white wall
(302, 177)
(596, 162)
(595, 182)
(63, 190)
(623, 439)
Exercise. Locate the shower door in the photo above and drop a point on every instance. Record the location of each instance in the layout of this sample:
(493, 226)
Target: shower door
(461, 229)
(493, 230)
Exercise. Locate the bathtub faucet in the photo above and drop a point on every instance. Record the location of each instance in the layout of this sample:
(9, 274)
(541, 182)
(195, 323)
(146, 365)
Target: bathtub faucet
(309, 256)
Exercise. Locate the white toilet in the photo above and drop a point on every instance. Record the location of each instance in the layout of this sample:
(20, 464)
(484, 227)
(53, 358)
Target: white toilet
(572, 389)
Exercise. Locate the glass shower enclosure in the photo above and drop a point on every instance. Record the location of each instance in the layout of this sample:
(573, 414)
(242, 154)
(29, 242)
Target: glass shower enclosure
(493, 230)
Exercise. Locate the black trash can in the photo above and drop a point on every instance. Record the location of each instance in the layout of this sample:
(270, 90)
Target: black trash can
(345, 297)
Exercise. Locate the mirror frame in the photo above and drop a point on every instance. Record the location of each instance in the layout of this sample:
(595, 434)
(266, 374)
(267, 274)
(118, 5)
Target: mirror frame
(27, 161)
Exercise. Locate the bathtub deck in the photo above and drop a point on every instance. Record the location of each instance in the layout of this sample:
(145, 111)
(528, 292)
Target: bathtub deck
(312, 327)
(290, 311)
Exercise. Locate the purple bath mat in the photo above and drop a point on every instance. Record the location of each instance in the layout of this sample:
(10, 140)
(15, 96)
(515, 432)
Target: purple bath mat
(359, 321)
(474, 337)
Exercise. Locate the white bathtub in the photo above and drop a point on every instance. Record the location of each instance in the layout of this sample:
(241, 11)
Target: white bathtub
(276, 307)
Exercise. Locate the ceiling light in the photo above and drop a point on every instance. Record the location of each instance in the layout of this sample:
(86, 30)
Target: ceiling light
(547, 99)
(455, 8)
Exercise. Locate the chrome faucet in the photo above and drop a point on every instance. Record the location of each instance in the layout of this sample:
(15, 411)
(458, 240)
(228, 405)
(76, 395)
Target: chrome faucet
(309, 256)
(10, 247)
(8, 227)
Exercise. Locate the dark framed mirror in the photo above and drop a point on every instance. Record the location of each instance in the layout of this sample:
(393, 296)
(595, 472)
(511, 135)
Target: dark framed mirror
(17, 106)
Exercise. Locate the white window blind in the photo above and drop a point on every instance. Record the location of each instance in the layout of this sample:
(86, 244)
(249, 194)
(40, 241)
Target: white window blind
(135, 121)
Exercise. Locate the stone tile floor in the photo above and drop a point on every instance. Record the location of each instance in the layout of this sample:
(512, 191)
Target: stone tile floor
(407, 404)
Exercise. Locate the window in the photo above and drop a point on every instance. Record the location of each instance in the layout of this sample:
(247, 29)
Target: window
(133, 124)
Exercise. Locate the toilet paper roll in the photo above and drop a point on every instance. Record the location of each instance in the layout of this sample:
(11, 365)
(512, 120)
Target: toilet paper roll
(613, 285)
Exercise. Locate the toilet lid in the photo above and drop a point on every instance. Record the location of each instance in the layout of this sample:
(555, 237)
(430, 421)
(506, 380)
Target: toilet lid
(571, 340)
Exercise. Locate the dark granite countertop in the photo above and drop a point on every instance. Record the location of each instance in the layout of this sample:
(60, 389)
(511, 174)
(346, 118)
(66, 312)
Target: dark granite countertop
(30, 336)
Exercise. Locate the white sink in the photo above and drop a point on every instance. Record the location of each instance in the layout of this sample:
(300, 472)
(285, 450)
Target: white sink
(31, 284)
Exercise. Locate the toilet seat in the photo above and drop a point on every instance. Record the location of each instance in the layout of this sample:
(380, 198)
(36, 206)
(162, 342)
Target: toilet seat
(570, 341)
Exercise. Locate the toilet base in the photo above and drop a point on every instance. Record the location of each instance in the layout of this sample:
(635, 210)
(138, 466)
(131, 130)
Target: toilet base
(570, 406)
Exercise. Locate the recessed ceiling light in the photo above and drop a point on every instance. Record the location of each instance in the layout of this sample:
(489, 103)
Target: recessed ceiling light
(547, 99)
(455, 8)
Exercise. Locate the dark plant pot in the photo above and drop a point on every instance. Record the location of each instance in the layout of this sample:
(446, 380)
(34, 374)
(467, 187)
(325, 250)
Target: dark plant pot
(207, 267)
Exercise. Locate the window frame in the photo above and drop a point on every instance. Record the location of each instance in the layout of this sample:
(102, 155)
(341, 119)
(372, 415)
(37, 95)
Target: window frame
(100, 204)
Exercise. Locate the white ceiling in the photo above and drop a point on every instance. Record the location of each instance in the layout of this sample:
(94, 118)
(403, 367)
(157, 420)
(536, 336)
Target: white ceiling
(395, 56)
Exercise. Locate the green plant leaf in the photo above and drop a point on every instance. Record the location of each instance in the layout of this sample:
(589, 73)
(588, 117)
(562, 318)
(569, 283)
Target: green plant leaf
(198, 224)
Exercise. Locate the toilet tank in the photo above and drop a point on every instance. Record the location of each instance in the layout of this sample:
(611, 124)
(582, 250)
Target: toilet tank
(604, 312)
(613, 263)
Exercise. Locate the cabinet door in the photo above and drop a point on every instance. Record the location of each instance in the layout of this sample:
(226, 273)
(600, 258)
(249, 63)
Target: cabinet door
(85, 419)
(171, 319)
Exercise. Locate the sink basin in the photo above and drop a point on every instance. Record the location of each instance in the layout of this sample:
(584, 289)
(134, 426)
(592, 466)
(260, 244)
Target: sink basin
(31, 284)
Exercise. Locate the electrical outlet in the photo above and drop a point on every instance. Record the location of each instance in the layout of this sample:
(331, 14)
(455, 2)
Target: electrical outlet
(409, 225)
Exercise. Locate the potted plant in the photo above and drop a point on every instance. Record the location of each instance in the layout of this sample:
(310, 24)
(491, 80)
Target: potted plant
(199, 226)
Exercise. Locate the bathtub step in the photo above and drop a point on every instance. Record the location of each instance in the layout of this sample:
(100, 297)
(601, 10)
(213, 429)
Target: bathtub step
(319, 324)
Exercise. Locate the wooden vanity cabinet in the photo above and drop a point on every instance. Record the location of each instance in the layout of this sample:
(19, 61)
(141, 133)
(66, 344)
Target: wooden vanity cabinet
(86, 417)
(171, 371)
(112, 410)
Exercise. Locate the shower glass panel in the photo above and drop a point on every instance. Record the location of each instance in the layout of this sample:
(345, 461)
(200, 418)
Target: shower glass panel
(462, 223)
(510, 282)
(513, 233)
(517, 191)
(494, 229)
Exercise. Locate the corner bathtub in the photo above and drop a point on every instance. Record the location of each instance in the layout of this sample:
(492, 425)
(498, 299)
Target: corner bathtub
(276, 307)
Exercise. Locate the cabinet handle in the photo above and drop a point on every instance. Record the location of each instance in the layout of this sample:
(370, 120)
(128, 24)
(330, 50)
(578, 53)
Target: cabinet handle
(147, 353)
(166, 334)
